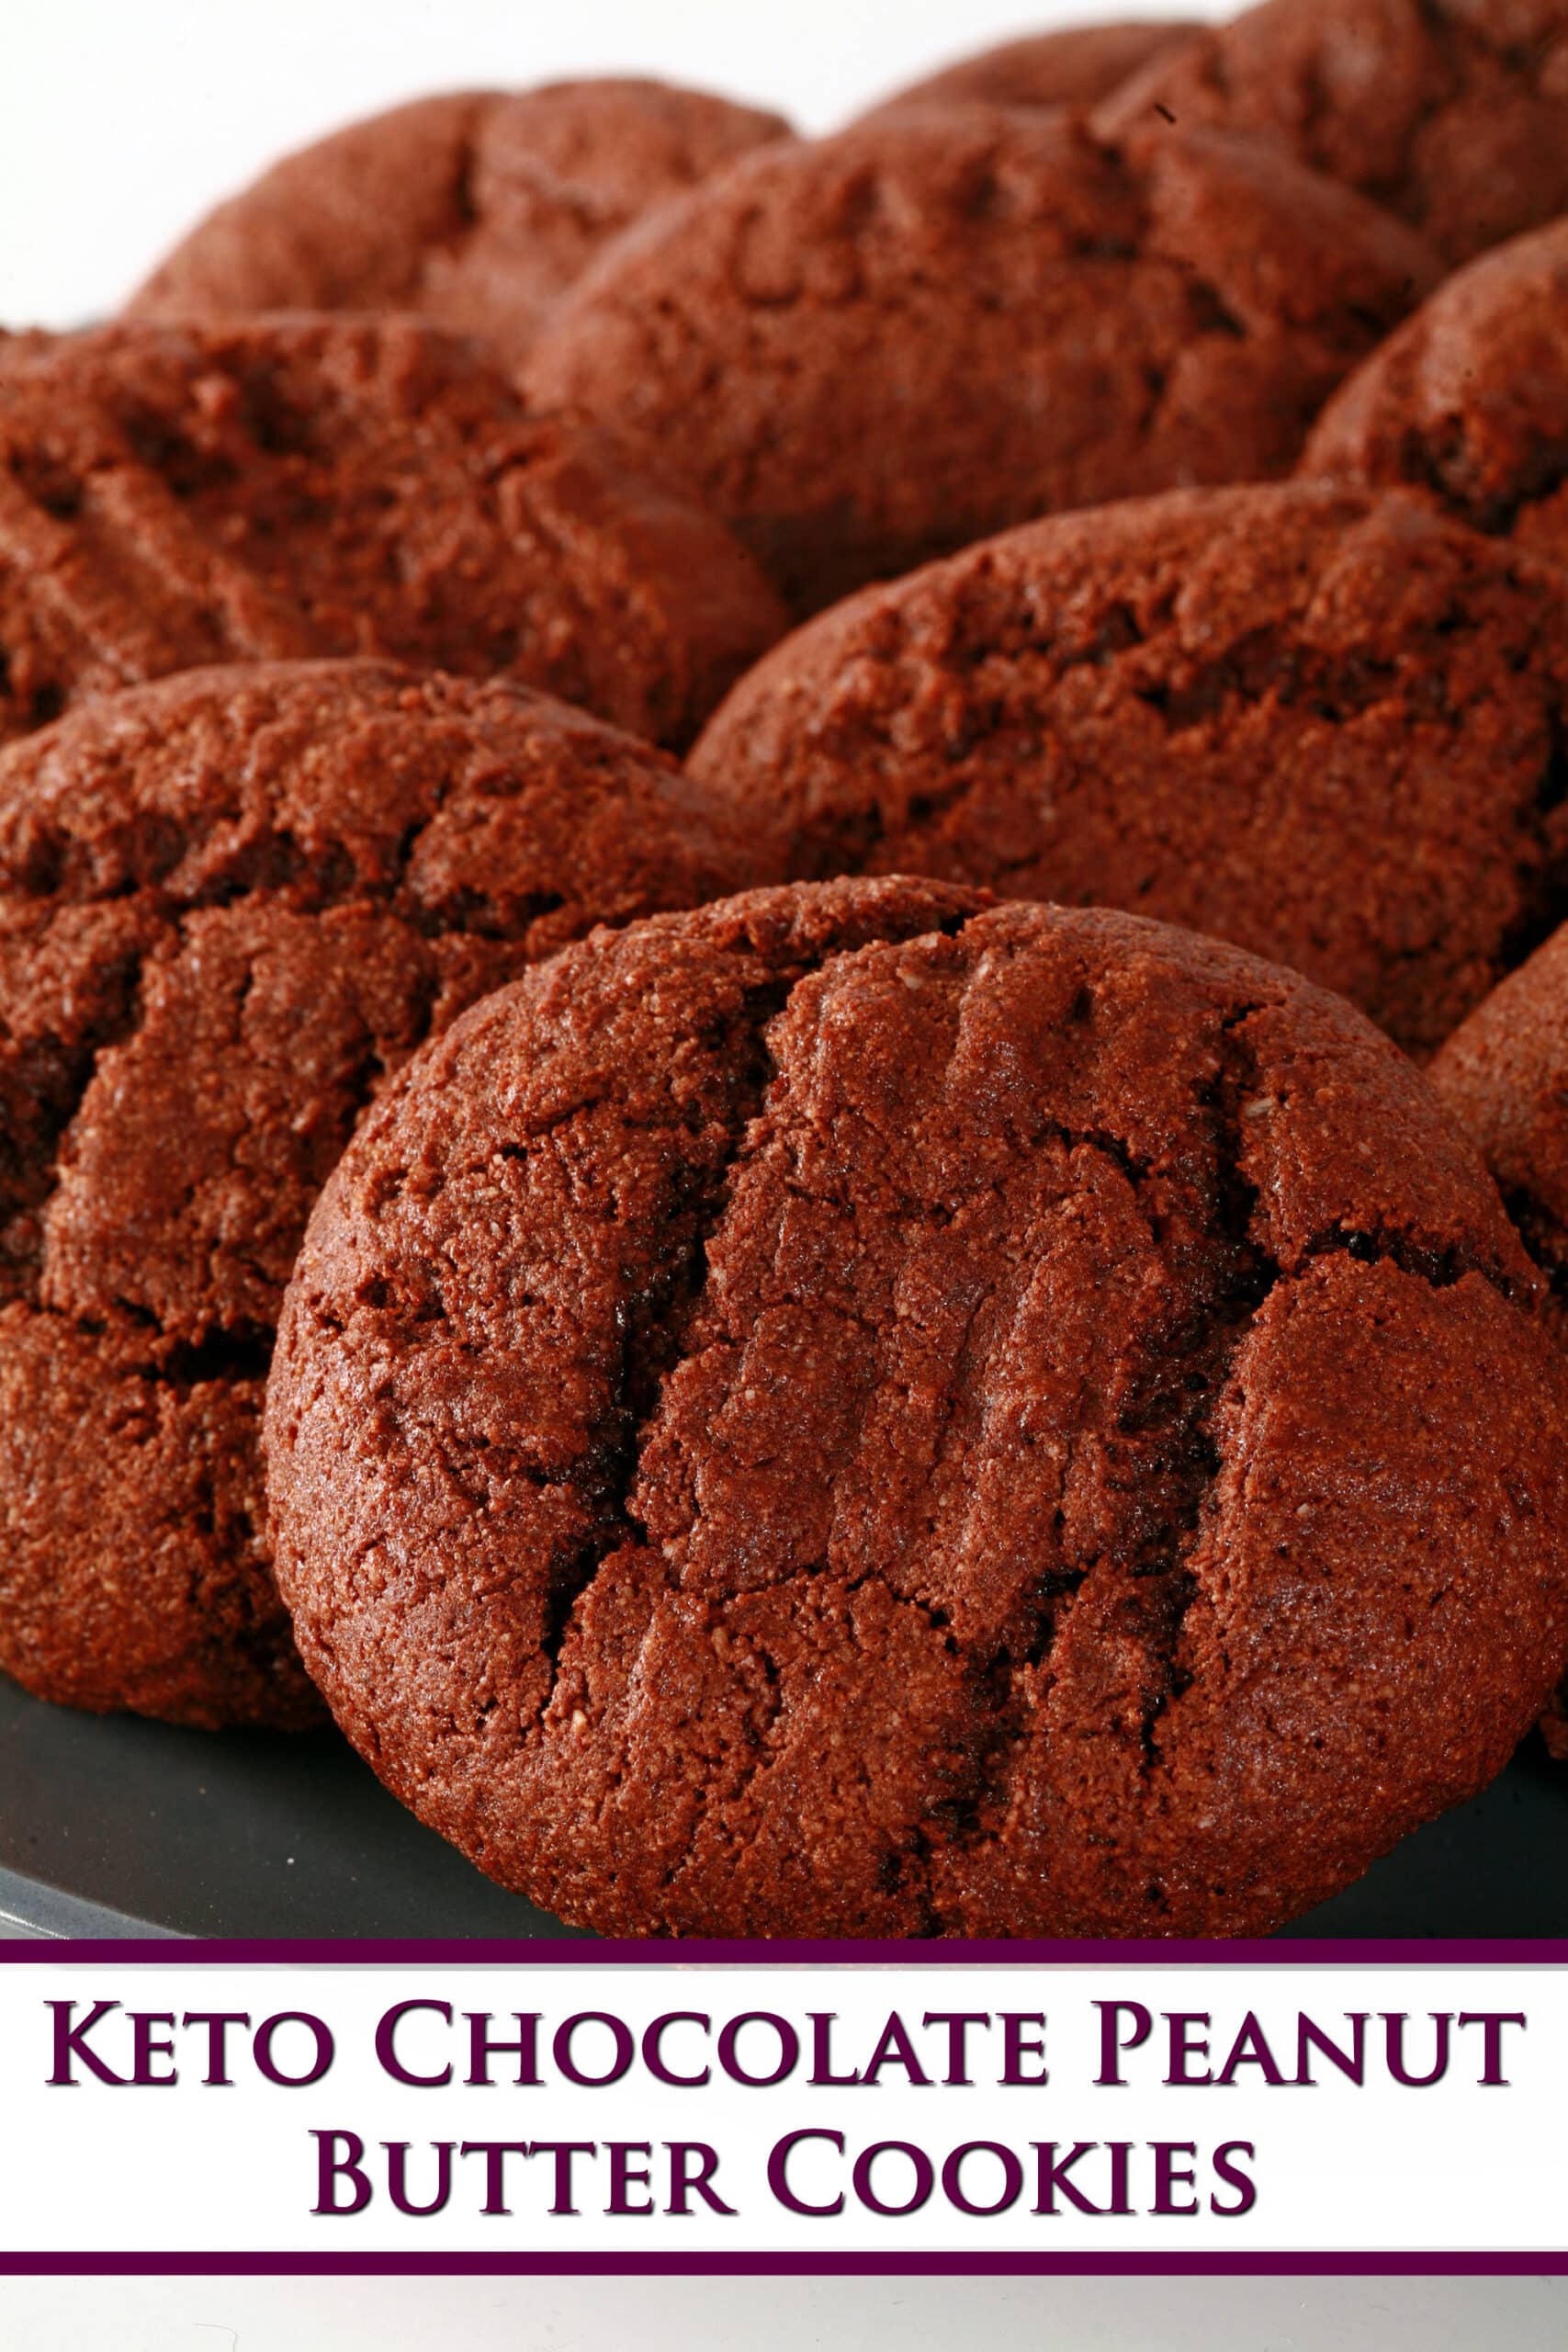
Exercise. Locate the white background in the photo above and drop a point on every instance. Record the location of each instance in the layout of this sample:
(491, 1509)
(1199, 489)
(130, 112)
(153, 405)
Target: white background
(121, 120)
(781, 2315)
(1456, 2167)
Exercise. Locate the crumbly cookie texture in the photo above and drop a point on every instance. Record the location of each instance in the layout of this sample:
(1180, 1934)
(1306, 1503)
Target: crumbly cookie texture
(1327, 725)
(231, 904)
(476, 209)
(1452, 113)
(273, 488)
(1468, 401)
(868, 350)
(853, 1413)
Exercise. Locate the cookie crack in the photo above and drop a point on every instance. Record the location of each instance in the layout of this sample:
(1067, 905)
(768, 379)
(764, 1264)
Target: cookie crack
(230, 1352)
(1191, 1385)
(1178, 1396)
(1259, 668)
(235, 1350)
(1542, 1236)
(273, 865)
(109, 545)
(49, 1075)
(234, 1353)
(652, 1325)
(652, 1328)
(1439, 1269)
(29, 1168)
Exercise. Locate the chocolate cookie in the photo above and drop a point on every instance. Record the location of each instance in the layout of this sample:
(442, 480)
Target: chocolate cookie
(476, 209)
(1453, 113)
(274, 488)
(848, 1413)
(1469, 399)
(870, 349)
(1325, 724)
(1072, 66)
(230, 904)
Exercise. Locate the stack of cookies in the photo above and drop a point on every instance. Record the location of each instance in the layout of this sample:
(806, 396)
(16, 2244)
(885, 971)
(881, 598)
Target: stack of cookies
(784, 1042)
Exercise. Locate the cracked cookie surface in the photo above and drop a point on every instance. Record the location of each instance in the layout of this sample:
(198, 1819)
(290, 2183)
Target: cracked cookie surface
(865, 351)
(852, 1412)
(230, 903)
(276, 489)
(1468, 399)
(1452, 113)
(1329, 726)
(476, 209)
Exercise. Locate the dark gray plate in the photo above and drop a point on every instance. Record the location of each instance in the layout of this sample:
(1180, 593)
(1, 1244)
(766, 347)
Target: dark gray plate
(111, 1826)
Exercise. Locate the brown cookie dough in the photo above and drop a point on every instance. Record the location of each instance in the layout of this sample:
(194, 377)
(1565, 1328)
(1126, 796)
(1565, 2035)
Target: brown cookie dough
(1452, 113)
(267, 490)
(476, 209)
(848, 1413)
(1072, 66)
(230, 904)
(1325, 724)
(1469, 399)
(868, 350)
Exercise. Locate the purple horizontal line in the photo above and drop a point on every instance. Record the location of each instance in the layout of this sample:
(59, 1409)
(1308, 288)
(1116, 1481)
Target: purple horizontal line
(555, 1951)
(761, 2265)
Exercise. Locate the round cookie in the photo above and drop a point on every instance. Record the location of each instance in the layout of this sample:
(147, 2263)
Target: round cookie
(1452, 113)
(891, 1418)
(230, 903)
(277, 488)
(870, 349)
(1327, 725)
(1072, 66)
(1469, 399)
(475, 209)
